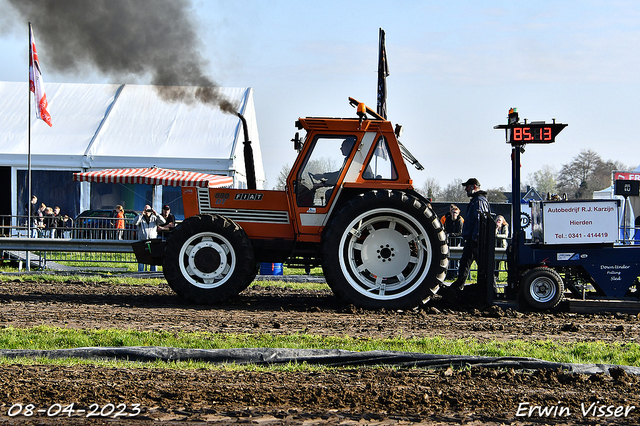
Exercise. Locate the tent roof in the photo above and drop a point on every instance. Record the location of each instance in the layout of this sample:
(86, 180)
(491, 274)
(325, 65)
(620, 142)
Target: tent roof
(176, 129)
(155, 176)
(113, 125)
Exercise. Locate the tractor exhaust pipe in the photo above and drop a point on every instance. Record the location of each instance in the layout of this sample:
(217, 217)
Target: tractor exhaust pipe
(249, 165)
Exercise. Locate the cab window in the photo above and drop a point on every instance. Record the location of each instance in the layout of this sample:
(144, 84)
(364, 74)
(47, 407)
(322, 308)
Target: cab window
(380, 165)
(322, 168)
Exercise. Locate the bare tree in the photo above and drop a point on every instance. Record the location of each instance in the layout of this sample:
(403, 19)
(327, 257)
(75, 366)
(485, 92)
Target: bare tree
(544, 180)
(281, 180)
(601, 178)
(587, 172)
(454, 192)
(431, 189)
(574, 178)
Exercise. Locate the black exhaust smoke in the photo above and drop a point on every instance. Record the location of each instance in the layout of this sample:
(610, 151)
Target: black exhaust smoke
(154, 39)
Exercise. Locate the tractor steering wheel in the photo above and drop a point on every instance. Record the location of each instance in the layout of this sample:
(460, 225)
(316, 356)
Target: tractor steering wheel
(315, 181)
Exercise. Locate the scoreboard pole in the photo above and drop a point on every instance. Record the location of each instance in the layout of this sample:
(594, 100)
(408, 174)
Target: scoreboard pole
(518, 135)
(515, 195)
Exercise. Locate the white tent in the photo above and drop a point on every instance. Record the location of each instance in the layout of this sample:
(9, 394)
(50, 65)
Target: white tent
(99, 126)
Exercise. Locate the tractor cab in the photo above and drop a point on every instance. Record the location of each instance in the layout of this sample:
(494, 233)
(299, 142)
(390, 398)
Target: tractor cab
(339, 157)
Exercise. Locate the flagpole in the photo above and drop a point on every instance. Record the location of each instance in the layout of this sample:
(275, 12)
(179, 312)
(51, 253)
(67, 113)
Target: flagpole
(27, 257)
(383, 72)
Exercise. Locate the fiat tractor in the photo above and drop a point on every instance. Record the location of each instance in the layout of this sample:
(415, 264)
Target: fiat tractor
(349, 206)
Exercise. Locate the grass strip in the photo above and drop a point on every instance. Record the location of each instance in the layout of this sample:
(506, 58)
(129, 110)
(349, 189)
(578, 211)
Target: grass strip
(45, 337)
(173, 365)
(89, 279)
(124, 280)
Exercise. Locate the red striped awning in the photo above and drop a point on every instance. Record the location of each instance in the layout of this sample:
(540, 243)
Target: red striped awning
(155, 176)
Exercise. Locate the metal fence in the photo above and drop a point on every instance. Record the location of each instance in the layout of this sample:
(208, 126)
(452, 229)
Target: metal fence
(455, 253)
(98, 240)
(83, 228)
(90, 239)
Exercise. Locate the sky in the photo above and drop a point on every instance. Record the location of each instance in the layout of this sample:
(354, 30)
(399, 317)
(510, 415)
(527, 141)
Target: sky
(456, 67)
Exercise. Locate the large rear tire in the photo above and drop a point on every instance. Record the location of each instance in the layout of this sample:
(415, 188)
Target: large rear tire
(542, 288)
(385, 249)
(208, 259)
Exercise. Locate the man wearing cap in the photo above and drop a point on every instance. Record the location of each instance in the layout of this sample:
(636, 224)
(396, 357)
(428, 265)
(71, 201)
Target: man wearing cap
(169, 221)
(470, 229)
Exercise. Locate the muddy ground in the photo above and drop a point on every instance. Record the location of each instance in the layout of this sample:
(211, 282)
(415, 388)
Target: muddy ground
(475, 396)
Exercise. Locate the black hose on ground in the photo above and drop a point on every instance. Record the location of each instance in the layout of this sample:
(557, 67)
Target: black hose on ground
(327, 357)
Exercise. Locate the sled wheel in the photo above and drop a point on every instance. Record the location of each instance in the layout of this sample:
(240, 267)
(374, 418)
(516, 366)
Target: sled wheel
(385, 249)
(208, 259)
(542, 288)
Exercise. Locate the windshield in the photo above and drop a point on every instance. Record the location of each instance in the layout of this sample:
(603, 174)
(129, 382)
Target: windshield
(320, 173)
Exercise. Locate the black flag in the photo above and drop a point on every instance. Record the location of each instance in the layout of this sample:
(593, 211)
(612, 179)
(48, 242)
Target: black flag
(383, 73)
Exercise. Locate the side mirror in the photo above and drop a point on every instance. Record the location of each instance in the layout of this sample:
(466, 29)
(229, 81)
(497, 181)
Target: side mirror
(297, 143)
(398, 130)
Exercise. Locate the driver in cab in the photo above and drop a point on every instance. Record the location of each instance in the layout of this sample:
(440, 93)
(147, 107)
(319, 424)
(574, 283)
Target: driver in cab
(317, 188)
(331, 178)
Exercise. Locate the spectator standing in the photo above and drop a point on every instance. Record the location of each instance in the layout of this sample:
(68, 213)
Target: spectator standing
(502, 233)
(169, 222)
(49, 223)
(147, 223)
(58, 222)
(65, 227)
(38, 221)
(119, 222)
(30, 214)
(32, 217)
(452, 223)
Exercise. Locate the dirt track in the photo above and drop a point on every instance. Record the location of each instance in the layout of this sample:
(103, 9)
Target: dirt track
(383, 396)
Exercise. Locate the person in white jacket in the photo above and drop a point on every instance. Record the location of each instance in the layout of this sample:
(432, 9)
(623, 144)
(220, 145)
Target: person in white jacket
(147, 223)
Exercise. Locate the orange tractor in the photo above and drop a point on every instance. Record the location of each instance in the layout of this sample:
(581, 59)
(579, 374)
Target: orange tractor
(349, 206)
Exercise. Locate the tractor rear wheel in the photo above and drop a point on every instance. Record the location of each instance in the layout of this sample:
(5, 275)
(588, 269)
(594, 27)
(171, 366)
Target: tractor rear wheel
(542, 288)
(385, 249)
(208, 259)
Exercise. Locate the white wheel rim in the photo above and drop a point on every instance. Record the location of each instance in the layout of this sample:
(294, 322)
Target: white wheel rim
(385, 254)
(194, 256)
(542, 289)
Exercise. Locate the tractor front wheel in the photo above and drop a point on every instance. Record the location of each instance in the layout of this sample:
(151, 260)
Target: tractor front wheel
(208, 259)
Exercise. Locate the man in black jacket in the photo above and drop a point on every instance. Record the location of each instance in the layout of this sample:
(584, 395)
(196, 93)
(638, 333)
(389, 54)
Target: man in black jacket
(470, 229)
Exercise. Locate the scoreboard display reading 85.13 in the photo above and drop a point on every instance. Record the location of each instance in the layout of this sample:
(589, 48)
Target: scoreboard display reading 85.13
(533, 133)
(519, 134)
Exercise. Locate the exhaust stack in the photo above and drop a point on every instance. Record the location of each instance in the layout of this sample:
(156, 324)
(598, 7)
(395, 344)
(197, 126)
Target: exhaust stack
(249, 164)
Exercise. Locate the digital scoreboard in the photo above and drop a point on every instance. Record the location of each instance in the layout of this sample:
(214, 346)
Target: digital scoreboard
(535, 132)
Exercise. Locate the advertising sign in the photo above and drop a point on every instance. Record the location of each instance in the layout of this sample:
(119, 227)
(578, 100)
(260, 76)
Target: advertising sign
(621, 175)
(580, 222)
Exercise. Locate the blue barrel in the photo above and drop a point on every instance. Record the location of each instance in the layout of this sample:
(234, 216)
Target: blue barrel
(271, 269)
